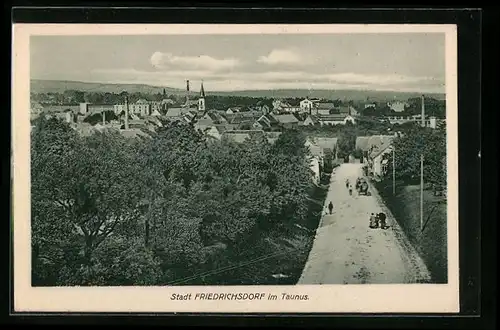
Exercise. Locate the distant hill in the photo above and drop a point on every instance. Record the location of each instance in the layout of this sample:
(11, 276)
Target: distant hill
(59, 86)
(354, 95)
(45, 86)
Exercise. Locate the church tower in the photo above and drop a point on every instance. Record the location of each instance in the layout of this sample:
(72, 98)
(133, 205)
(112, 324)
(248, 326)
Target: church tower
(201, 100)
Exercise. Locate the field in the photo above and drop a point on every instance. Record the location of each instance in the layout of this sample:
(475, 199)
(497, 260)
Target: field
(431, 242)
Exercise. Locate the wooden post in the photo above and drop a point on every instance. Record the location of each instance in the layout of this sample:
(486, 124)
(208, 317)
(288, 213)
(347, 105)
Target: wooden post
(393, 171)
(126, 112)
(421, 191)
(423, 112)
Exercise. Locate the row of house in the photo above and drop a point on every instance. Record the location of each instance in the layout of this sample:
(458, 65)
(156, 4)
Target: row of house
(430, 121)
(374, 148)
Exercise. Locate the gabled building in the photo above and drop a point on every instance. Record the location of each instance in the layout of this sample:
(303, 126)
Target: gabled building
(287, 121)
(333, 119)
(265, 122)
(216, 131)
(323, 108)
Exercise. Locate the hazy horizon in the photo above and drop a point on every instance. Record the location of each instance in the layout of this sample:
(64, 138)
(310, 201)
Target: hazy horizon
(413, 62)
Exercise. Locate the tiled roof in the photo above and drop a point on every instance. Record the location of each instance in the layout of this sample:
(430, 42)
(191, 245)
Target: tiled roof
(326, 143)
(285, 119)
(332, 117)
(325, 105)
(176, 112)
(362, 143)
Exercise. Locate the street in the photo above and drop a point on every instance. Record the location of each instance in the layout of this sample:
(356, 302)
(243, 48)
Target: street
(347, 251)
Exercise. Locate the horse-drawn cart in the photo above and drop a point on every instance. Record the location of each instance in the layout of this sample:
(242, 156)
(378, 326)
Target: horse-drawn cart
(362, 187)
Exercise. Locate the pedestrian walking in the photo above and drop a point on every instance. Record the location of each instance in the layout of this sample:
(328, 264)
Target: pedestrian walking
(347, 183)
(330, 207)
(350, 190)
(373, 221)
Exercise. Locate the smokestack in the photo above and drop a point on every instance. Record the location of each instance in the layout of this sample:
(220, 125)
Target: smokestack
(103, 118)
(423, 111)
(187, 93)
(126, 112)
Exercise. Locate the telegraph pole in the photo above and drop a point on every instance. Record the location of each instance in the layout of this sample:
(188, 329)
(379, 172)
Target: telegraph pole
(393, 171)
(421, 191)
(423, 112)
(422, 171)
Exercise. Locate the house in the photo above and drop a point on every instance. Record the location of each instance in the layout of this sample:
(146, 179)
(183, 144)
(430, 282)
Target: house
(370, 105)
(325, 149)
(280, 104)
(265, 109)
(328, 146)
(190, 116)
(176, 112)
(214, 116)
(362, 145)
(371, 146)
(287, 121)
(378, 162)
(335, 119)
(306, 105)
(141, 107)
(233, 110)
(345, 110)
(310, 121)
(265, 121)
(203, 125)
(316, 161)
(315, 168)
(156, 113)
(323, 108)
(216, 131)
(243, 119)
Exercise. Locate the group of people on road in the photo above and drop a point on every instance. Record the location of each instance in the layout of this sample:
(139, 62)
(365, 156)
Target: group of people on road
(378, 220)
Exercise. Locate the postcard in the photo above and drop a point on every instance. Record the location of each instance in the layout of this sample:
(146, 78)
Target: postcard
(235, 168)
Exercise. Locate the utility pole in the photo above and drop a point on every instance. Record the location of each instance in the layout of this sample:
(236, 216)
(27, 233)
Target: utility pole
(393, 171)
(126, 111)
(421, 191)
(423, 112)
(422, 172)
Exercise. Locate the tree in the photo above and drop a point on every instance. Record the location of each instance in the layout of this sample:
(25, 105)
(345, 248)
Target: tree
(416, 141)
(346, 143)
(87, 183)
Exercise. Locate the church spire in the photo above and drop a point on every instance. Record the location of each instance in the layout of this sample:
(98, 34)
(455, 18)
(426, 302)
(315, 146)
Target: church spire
(201, 100)
(202, 90)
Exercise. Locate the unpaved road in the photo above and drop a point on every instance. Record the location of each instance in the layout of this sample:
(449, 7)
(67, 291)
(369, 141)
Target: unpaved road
(347, 251)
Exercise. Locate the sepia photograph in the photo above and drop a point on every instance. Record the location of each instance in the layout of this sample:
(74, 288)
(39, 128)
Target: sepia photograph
(294, 161)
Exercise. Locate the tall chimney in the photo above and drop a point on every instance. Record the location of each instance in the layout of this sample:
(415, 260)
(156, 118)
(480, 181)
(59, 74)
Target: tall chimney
(423, 111)
(126, 112)
(103, 118)
(187, 93)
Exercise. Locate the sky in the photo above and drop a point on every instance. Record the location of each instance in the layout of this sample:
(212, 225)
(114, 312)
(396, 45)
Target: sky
(392, 62)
